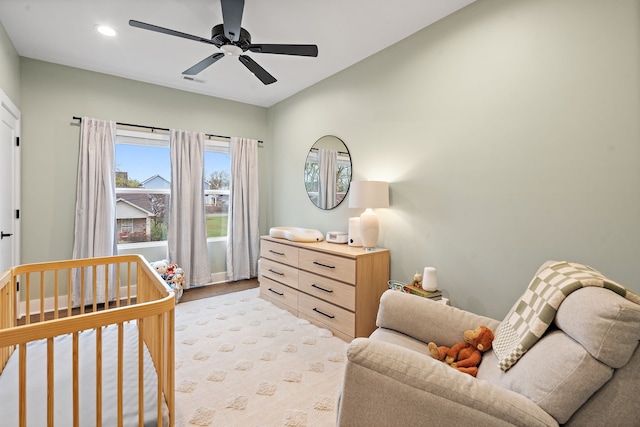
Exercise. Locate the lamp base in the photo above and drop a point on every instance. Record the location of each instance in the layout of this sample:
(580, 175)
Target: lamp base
(369, 229)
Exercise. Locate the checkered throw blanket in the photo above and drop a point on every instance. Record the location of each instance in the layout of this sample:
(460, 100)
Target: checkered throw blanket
(532, 314)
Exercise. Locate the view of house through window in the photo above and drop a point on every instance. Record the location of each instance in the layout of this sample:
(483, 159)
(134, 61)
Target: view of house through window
(143, 186)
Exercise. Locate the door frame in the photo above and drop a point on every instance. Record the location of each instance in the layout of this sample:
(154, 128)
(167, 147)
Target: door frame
(8, 105)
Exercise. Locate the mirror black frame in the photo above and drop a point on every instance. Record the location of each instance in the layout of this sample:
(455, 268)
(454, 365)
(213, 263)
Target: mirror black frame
(310, 173)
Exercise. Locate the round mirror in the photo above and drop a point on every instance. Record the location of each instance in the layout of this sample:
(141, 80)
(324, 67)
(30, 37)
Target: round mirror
(327, 172)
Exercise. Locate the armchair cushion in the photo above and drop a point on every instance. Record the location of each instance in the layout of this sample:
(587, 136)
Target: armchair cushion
(570, 375)
(427, 320)
(417, 387)
(607, 325)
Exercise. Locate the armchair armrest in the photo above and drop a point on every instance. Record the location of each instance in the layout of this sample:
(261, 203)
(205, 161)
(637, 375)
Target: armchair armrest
(427, 320)
(388, 382)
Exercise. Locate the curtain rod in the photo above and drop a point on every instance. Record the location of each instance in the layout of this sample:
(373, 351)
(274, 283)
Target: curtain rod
(339, 152)
(152, 128)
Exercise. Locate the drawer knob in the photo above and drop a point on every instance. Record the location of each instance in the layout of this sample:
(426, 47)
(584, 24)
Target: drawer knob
(276, 292)
(276, 272)
(321, 288)
(324, 314)
(276, 252)
(323, 265)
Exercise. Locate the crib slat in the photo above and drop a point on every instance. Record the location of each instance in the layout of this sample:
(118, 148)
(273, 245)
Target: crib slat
(27, 286)
(8, 313)
(69, 292)
(140, 372)
(50, 381)
(169, 372)
(94, 288)
(117, 285)
(56, 293)
(42, 296)
(129, 284)
(82, 301)
(106, 285)
(22, 385)
(120, 371)
(76, 377)
(98, 377)
(160, 338)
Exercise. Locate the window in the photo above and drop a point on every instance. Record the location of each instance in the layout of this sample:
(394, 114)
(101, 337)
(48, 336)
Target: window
(126, 225)
(217, 166)
(143, 186)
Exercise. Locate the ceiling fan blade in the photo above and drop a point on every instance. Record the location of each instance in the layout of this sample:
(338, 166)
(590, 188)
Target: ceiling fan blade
(286, 49)
(157, 29)
(232, 18)
(209, 60)
(257, 70)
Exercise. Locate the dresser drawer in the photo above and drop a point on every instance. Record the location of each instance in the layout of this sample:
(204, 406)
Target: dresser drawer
(278, 293)
(338, 293)
(279, 272)
(278, 252)
(329, 314)
(335, 267)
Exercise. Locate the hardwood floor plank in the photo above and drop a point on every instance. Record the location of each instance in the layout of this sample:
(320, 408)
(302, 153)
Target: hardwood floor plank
(218, 289)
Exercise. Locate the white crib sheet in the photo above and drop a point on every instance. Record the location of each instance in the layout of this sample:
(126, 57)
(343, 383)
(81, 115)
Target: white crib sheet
(63, 413)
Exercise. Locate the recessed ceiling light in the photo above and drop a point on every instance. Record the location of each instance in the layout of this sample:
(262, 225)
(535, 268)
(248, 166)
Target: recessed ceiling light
(106, 30)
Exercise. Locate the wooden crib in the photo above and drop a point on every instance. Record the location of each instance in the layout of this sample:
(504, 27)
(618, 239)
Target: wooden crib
(94, 369)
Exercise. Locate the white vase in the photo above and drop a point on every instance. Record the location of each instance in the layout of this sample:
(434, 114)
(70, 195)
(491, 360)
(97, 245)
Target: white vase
(429, 279)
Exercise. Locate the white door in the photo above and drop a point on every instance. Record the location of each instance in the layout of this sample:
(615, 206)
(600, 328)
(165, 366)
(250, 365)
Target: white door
(9, 182)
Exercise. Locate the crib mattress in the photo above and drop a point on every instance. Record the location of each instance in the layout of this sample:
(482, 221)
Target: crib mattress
(63, 383)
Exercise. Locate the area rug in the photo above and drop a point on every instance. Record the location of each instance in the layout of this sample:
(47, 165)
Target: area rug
(242, 361)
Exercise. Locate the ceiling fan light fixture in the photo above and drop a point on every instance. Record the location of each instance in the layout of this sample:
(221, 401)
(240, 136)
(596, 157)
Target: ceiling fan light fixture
(105, 30)
(232, 40)
(231, 50)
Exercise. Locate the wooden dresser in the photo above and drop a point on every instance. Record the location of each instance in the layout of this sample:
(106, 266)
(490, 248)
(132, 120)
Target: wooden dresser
(334, 286)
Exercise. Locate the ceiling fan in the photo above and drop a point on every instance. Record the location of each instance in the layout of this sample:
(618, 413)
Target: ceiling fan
(234, 40)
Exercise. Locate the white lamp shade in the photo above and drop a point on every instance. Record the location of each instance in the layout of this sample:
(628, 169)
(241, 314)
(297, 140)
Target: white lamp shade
(369, 194)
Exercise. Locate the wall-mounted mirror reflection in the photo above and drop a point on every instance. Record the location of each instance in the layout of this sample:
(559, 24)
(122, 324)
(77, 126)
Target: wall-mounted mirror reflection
(327, 172)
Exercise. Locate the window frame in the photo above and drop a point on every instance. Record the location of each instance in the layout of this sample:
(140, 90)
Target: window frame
(161, 139)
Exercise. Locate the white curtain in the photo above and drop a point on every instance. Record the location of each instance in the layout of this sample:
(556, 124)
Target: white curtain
(187, 236)
(327, 166)
(95, 226)
(243, 236)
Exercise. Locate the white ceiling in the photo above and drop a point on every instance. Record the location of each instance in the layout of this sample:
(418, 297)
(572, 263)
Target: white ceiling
(346, 31)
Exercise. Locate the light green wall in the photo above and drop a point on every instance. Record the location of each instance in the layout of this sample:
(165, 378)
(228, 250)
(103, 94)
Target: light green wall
(53, 94)
(9, 68)
(509, 133)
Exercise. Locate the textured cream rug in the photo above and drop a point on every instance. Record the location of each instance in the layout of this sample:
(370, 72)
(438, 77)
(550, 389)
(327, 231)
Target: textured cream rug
(242, 361)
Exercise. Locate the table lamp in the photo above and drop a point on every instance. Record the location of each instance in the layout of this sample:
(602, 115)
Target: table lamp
(369, 195)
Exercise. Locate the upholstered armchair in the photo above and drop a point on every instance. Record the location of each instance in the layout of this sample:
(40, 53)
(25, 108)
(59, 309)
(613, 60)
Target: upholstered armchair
(584, 371)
